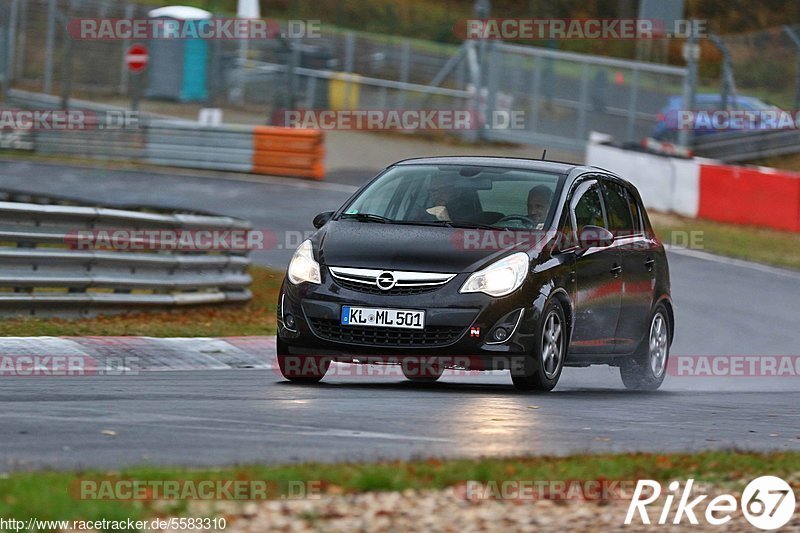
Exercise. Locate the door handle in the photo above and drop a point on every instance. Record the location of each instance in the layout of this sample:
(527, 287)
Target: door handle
(649, 264)
(616, 270)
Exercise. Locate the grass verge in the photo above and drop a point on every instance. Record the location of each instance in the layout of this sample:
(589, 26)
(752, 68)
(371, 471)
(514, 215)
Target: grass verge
(770, 247)
(48, 496)
(256, 317)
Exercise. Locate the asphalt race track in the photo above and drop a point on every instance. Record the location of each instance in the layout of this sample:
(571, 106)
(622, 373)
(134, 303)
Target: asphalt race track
(234, 416)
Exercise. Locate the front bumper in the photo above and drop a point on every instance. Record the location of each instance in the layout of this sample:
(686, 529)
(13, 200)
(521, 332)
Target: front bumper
(458, 327)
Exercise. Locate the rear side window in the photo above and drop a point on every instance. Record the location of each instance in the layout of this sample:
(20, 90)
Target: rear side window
(618, 207)
(636, 211)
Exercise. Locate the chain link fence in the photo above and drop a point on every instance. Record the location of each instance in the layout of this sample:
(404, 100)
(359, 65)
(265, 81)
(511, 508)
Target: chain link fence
(766, 65)
(563, 95)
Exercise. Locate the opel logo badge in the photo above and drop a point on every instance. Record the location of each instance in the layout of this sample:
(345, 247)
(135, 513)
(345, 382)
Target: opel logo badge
(385, 281)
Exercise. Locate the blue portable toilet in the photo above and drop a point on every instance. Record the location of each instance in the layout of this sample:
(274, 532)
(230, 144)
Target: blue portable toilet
(178, 68)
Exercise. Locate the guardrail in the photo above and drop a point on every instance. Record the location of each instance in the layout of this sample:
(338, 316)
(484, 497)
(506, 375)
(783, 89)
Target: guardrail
(736, 146)
(46, 270)
(173, 142)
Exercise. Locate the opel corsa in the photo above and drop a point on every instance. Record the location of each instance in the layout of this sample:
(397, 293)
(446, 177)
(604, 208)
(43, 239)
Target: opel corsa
(481, 263)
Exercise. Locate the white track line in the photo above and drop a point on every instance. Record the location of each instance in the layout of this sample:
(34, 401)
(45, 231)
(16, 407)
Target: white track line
(730, 261)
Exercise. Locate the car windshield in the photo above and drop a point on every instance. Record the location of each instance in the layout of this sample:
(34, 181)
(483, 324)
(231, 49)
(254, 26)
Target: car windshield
(458, 196)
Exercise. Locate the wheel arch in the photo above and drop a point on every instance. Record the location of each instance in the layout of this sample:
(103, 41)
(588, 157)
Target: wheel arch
(666, 301)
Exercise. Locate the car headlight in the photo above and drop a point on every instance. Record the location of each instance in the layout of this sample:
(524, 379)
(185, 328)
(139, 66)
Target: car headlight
(500, 278)
(303, 267)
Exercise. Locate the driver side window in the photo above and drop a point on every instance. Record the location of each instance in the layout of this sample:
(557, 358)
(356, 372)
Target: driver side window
(587, 207)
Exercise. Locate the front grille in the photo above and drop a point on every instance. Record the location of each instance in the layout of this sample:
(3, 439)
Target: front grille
(405, 283)
(378, 336)
(397, 290)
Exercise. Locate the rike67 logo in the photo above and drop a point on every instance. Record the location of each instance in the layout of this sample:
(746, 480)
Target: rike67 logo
(767, 502)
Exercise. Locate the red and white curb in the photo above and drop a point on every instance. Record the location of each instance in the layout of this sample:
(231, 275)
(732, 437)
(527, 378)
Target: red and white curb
(141, 353)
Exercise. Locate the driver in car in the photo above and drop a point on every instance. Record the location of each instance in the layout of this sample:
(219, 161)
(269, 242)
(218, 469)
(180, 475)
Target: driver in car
(539, 203)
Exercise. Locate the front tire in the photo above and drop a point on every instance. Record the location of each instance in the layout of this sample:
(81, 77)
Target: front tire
(646, 369)
(301, 368)
(542, 369)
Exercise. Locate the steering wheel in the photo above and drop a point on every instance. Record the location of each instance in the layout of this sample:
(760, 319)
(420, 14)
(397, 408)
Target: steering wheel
(525, 221)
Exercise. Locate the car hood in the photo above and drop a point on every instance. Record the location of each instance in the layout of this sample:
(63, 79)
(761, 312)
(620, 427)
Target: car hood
(347, 243)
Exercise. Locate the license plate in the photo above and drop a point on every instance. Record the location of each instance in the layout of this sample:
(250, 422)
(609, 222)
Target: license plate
(387, 318)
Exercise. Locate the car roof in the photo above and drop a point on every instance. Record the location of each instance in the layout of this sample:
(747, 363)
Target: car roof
(714, 97)
(559, 167)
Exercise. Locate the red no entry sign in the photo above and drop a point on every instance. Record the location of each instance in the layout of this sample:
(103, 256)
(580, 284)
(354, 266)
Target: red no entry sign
(136, 57)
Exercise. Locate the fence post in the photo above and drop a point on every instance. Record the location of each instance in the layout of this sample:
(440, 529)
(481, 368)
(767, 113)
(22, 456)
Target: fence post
(124, 72)
(633, 103)
(12, 37)
(66, 70)
(349, 59)
(728, 85)
(50, 46)
(291, 83)
(584, 102)
(23, 27)
(685, 135)
(536, 92)
(491, 89)
(788, 30)
(405, 60)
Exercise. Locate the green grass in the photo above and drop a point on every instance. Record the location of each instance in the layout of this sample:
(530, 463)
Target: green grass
(767, 246)
(46, 495)
(256, 317)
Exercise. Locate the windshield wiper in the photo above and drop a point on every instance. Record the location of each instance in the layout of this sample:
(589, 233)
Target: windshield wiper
(437, 223)
(469, 225)
(367, 217)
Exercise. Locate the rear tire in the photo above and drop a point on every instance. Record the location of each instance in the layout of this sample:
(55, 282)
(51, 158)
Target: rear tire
(301, 368)
(542, 369)
(646, 369)
(422, 371)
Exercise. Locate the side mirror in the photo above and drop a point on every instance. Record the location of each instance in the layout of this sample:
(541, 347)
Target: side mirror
(321, 219)
(595, 237)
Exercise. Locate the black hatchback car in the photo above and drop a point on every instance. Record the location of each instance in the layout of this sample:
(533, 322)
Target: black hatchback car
(481, 263)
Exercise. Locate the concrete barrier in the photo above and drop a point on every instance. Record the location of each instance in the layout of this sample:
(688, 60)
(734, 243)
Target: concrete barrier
(751, 196)
(704, 188)
(666, 183)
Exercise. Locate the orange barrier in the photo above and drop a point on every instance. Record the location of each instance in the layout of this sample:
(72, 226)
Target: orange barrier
(289, 152)
(750, 196)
